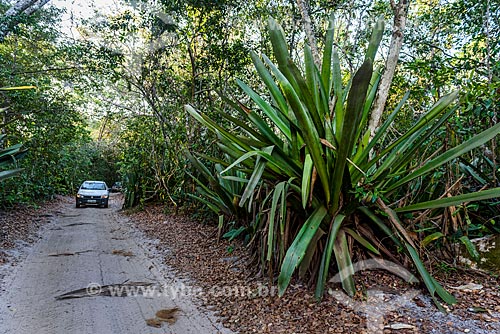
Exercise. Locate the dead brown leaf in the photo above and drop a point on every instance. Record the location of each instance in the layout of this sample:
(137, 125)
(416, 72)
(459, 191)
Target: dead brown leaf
(122, 252)
(69, 253)
(153, 322)
(167, 315)
(192, 255)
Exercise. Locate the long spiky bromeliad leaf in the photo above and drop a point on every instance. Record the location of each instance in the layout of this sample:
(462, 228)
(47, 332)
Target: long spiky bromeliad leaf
(10, 173)
(306, 180)
(305, 93)
(267, 109)
(216, 209)
(381, 225)
(370, 97)
(203, 119)
(428, 117)
(361, 155)
(307, 130)
(352, 118)
(200, 167)
(339, 95)
(277, 192)
(8, 159)
(376, 37)
(452, 201)
(353, 115)
(263, 127)
(449, 155)
(326, 66)
(297, 249)
(365, 243)
(402, 142)
(327, 254)
(280, 49)
(371, 52)
(11, 150)
(222, 194)
(344, 263)
(217, 198)
(400, 158)
(274, 90)
(313, 81)
(244, 126)
(286, 166)
(432, 285)
(255, 179)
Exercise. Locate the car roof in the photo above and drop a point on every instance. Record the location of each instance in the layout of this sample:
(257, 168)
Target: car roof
(93, 182)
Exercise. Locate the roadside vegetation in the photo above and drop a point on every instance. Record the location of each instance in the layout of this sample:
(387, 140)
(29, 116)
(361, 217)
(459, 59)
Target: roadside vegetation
(318, 133)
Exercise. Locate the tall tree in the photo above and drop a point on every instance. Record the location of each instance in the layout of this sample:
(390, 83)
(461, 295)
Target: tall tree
(400, 14)
(308, 28)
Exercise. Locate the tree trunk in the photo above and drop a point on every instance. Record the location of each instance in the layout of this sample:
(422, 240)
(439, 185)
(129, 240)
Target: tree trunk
(308, 28)
(26, 7)
(400, 14)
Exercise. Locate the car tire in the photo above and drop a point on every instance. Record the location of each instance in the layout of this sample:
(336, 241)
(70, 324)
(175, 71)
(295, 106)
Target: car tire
(77, 204)
(106, 204)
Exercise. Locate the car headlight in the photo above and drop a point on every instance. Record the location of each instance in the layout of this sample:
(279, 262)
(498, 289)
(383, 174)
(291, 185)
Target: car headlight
(78, 195)
(104, 196)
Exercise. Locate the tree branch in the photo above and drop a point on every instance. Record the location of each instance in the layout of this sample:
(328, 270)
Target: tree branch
(48, 70)
(10, 17)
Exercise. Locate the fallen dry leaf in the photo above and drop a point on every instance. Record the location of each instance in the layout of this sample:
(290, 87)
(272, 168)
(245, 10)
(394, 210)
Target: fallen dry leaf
(122, 252)
(468, 287)
(399, 326)
(20, 224)
(167, 314)
(110, 290)
(183, 245)
(70, 253)
(153, 322)
(77, 224)
(164, 315)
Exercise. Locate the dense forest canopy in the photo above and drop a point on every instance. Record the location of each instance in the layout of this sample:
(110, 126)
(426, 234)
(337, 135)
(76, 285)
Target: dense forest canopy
(305, 128)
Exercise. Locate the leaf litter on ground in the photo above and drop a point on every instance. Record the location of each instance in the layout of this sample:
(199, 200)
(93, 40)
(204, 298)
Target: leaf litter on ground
(186, 249)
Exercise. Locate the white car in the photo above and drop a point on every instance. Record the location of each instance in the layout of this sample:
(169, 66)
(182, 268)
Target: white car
(93, 193)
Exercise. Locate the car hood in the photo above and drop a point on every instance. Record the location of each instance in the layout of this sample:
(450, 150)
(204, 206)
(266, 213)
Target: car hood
(87, 192)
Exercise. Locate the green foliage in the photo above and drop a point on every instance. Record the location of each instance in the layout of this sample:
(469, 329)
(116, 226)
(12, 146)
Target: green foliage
(10, 154)
(57, 150)
(327, 159)
(285, 159)
(471, 249)
(52, 164)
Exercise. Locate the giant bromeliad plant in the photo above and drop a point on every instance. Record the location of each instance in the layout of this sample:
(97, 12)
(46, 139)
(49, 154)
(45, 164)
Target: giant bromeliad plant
(306, 168)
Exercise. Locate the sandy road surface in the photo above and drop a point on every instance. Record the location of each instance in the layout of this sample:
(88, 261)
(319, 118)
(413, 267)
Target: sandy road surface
(92, 245)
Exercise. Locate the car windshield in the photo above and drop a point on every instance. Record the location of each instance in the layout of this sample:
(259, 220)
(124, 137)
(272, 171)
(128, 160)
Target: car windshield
(93, 186)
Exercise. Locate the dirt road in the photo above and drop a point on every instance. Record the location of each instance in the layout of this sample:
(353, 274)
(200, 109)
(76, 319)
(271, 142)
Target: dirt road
(87, 250)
